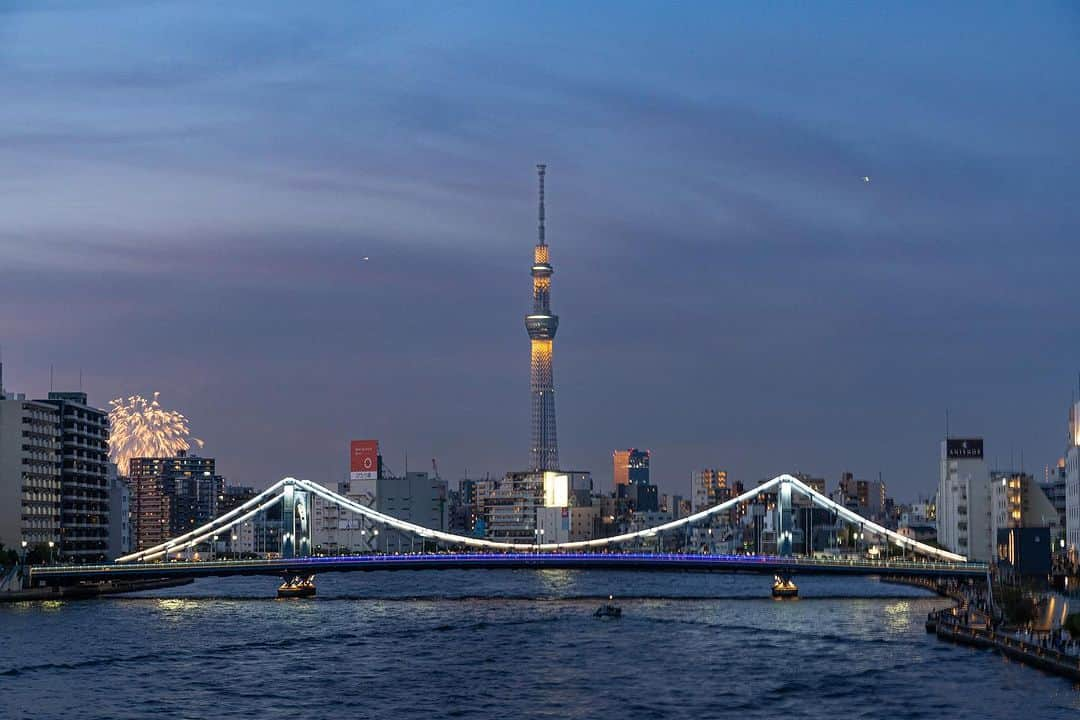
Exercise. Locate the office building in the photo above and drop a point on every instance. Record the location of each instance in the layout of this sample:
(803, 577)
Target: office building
(630, 467)
(1017, 501)
(815, 483)
(240, 540)
(417, 497)
(710, 487)
(171, 496)
(507, 507)
(567, 524)
(119, 514)
(463, 507)
(1054, 487)
(630, 471)
(1072, 483)
(963, 499)
(30, 471)
(865, 497)
(84, 482)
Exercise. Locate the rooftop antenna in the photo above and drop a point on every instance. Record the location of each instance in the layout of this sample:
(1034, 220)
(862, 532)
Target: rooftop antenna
(80, 379)
(50, 378)
(946, 423)
(540, 170)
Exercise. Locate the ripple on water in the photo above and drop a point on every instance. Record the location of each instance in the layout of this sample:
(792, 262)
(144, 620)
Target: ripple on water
(419, 646)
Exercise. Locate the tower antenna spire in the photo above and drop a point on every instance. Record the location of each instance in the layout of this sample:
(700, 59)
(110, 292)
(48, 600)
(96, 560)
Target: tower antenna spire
(540, 170)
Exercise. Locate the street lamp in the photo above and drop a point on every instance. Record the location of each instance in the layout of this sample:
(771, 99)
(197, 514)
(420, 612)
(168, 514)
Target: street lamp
(51, 546)
(24, 543)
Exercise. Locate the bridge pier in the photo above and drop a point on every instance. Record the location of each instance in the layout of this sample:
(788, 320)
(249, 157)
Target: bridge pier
(297, 586)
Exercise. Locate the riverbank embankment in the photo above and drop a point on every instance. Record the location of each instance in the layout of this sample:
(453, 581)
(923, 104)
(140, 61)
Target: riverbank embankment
(964, 625)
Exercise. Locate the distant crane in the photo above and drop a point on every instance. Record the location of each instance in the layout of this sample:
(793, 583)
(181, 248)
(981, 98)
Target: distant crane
(434, 468)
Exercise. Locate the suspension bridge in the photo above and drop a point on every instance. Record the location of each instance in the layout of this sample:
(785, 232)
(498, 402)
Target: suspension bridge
(298, 564)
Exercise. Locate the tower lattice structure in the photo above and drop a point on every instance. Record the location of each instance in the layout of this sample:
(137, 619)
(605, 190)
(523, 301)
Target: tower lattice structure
(541, 325)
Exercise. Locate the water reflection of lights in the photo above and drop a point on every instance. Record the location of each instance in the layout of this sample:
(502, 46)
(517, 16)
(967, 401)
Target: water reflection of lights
(177, 605)
(52, 604)
(896, 616)
(556, 579)
(1054, 613)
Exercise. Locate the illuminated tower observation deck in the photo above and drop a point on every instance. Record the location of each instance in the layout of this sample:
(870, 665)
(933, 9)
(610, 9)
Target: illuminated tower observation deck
(542, 325)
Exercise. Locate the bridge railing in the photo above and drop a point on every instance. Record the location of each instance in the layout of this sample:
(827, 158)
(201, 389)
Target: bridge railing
(775, 560)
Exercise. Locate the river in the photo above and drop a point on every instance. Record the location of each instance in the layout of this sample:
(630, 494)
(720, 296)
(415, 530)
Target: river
(508, 644)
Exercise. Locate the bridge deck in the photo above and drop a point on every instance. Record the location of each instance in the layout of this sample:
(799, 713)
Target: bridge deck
(637, 562)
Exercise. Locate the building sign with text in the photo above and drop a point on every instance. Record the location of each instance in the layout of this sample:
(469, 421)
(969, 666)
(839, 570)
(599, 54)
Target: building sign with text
(363, 460)
(960, 448)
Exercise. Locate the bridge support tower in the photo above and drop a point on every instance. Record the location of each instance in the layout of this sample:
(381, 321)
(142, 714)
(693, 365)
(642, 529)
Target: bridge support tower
(296, 540)
(783, 585)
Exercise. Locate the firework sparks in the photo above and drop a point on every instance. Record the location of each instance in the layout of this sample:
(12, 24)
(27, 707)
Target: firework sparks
(141, 428)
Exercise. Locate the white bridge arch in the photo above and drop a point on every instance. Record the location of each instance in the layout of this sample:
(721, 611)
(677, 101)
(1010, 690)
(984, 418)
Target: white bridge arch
(782, 483)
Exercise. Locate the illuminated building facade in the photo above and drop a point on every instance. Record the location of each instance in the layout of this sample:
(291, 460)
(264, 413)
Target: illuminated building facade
(30, 464)
(84, 481)
(507, 507)
(710, 488)
(1017, 501)
(1072, 482)
(630, 470)
(171, 496)
(630, 467)
(541, 326)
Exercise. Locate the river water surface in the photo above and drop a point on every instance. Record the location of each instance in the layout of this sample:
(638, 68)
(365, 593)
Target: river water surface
(508, 644)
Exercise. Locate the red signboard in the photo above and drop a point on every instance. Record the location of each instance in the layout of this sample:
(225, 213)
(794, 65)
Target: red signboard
(363, 459)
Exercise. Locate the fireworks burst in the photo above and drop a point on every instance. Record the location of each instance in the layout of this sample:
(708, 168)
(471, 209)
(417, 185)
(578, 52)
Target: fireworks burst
(141, 428)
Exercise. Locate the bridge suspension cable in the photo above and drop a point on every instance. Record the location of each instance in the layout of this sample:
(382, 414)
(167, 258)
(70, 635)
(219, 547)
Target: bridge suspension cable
(801, 487)
(220, 523)
(194, 542)
(268, 498)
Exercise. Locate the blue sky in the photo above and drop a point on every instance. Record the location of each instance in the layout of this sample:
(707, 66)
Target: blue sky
(190, 188)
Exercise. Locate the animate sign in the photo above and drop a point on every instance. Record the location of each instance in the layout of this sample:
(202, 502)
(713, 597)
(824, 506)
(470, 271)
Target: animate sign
(964, 448)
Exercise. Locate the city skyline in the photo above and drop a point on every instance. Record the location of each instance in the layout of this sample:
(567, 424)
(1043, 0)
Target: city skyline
(740, 296)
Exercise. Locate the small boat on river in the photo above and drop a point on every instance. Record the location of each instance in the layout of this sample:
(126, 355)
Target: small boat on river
(609, 610)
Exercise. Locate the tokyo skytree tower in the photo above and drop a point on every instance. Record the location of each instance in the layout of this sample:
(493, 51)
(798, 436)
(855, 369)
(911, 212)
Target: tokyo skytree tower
(541, 324)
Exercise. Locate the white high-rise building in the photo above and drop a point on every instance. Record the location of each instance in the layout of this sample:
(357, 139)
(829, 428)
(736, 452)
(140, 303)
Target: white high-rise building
(1072, 482)
(30, 467)
(963, 503)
